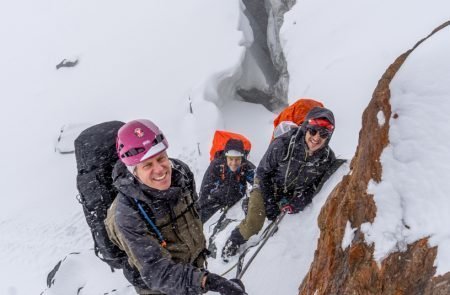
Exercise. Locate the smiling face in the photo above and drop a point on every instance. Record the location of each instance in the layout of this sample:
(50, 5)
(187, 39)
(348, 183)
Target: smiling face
(314, 142)
(155, 172)
(234, 163)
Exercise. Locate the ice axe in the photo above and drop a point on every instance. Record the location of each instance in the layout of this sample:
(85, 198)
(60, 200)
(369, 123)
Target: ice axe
(271, 231)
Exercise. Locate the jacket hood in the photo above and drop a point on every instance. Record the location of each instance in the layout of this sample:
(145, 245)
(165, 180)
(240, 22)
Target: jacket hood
(316, 113)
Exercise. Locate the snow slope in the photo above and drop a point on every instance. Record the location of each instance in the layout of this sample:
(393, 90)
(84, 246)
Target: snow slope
(284, 260)
(136, 60)
(277, 269)
(145, 59)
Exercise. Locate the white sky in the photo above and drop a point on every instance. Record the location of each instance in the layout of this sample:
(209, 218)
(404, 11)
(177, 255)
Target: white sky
(145, 58)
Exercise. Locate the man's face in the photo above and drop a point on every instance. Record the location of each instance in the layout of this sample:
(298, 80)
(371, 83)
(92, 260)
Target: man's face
(155, 172)
(314, 139)
(234, 163)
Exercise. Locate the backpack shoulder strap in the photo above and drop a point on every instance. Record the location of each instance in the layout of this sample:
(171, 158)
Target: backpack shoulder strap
(151, 223)
(222, 171)
(288, 156)
(290, 149)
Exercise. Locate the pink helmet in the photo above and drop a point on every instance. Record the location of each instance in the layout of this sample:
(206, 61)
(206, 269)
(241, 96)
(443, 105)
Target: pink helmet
(139, 140)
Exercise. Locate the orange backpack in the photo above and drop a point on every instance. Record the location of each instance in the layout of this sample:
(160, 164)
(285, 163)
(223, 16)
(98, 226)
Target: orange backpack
(297, 111)
(221, 138)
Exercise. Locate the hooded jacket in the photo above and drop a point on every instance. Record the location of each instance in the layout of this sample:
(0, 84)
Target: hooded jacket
(177, 268)
(222, 187)
(286, 171)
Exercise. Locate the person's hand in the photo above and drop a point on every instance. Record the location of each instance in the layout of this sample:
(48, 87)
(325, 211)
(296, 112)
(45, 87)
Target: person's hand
(288, 209)
(272, 216)
(272, 211)
(286, 206)
(219, 284)
(239, 282)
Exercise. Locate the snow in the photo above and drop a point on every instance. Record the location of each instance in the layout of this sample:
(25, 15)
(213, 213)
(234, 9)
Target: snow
(349, 234)
(337, 51)
(84, 267)
(412, 198)
(381, 118)
(137, 60)
(145, 59)
(286, 257)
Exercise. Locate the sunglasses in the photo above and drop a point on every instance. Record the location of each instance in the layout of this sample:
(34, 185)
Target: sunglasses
(323, 132)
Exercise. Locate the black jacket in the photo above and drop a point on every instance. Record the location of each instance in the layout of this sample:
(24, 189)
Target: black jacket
(175, 269)
(222, 187)
(286, 171)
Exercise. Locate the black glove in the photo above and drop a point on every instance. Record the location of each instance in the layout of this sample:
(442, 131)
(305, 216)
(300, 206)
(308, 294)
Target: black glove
(240, 283)
(272, 211)
(223, 286)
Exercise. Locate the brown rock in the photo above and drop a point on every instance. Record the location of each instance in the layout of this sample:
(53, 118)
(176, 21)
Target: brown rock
(353, 270)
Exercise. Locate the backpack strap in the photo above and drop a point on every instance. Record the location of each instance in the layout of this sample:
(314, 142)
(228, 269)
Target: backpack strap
(222, 171)
(289, 153)
(152, 224)
(188, 197)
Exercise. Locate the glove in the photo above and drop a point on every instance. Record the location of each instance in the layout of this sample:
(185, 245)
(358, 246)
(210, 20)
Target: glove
(286, 206)
(219, 284)
(272, 211)
(272, 216)
(288, 209)
(239, 282)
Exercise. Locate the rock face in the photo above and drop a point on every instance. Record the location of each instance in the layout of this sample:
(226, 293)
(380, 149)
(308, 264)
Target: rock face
(265, 53)
(353, 270)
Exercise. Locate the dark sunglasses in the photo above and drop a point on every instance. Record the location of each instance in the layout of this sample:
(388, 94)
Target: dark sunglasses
(323, 132)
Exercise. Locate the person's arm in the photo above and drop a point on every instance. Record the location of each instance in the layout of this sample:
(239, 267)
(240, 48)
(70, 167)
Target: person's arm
(191, 185)
(158, 271)
(299, 201)
(210, 192)
(265, 173)
(209, 182)
(250, 173)
(303, 197)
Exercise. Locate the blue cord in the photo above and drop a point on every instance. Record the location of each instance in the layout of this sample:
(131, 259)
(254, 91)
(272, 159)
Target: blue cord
(155, 229)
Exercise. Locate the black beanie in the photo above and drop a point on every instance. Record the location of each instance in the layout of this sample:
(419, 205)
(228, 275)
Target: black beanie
(234, 145)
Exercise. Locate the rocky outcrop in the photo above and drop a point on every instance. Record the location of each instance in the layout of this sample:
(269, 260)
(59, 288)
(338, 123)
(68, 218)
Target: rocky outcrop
(265, 55)
(261, 76)
(353, 270)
